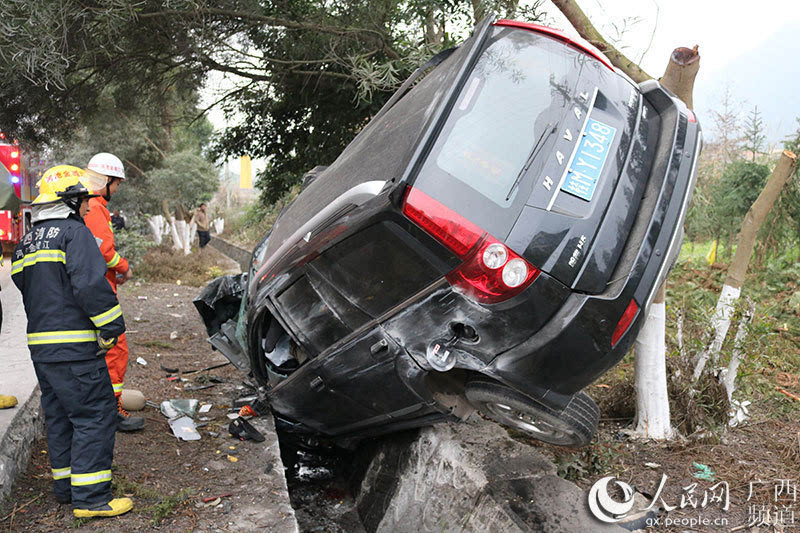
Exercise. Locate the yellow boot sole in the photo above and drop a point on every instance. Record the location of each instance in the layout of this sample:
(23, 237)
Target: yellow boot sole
(7, 401)
(118, 506)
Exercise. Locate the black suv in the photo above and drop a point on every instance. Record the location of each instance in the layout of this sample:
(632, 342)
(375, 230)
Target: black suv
(491, 239)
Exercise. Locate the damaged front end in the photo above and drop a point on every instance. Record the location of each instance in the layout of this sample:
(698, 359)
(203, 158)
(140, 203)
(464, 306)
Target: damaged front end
(221, 306)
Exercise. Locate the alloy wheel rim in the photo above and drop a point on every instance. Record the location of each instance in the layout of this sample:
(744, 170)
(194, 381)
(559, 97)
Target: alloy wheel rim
(526, 422)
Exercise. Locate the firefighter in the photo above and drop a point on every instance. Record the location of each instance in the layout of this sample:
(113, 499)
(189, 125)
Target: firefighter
(71, 312)
(99, 222)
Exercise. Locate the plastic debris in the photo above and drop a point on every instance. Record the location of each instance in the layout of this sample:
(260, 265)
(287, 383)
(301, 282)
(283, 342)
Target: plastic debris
(212, 498)
(233, 416)
(247, 411)
(704, 472)
(244, 430)
(652, 465)
(174, 408)
(233, 459)
(244, 400)
(739, 412)
(198, 387)
(143, 297)
(184, 428)
(206, 407)
(173, 335)
(141, 361)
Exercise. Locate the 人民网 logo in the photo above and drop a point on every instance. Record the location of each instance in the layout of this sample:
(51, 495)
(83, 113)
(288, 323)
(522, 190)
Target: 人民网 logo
(603, 506)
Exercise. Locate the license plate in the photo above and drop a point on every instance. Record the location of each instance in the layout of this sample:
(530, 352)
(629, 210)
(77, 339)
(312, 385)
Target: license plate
(587, 165)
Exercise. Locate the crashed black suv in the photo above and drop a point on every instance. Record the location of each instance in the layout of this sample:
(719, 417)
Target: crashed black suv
(491, 239)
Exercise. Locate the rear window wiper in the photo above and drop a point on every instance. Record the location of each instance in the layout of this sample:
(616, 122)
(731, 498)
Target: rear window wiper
(548, 130)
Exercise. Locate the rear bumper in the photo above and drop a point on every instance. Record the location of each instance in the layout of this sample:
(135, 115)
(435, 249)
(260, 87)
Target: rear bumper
(572, 349)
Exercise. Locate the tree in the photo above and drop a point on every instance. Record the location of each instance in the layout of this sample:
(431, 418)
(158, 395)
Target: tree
(308, 74)
(186, 179)
(754, 134)
(732, 287)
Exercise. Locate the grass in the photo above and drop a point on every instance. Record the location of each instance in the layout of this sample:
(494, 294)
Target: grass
(161, 510)
(163, 506)
(163, 264)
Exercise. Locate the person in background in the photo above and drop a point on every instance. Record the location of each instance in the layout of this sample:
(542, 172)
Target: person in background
(117, 220)
(99, 222)
(71, 312)
(201, 219)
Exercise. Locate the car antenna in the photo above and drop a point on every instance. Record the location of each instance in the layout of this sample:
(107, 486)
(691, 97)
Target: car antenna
(534, 151)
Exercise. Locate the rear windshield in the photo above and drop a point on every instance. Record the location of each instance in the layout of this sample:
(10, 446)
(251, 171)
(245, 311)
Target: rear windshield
(517, 91)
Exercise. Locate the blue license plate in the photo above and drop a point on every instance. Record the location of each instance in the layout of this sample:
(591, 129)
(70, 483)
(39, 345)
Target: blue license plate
(587, 165)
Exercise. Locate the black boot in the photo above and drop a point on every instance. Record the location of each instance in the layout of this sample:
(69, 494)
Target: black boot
(126, 422)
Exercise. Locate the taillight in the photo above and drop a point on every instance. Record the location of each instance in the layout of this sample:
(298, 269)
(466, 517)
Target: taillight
(690, 116)
(491, 272)
(445, 225)
(624, 322)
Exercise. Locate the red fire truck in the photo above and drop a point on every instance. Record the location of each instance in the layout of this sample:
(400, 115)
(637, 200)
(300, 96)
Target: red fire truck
(15, 211)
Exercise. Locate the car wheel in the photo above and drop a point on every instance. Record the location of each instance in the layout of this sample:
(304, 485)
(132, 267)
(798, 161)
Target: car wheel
(574, 426)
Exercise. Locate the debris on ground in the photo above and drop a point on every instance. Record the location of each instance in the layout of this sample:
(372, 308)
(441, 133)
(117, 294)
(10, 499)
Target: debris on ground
(244, 430)
(141, 361)
(184, 428)
(133, 400)
(174, 408)
(704, 472)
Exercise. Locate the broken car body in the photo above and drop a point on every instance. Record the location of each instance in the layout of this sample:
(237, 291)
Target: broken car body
(492, 238)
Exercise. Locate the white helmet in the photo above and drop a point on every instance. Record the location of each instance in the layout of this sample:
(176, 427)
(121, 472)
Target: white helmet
(108, 165)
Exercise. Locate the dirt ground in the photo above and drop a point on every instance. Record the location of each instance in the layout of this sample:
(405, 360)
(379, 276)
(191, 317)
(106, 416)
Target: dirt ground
(167, 478)
(758, 465)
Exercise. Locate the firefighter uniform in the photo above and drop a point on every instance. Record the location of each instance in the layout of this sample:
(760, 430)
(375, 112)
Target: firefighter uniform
(69, 304)
(98, 220)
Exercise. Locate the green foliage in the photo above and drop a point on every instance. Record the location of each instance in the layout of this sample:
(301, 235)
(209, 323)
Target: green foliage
(186, 178)
(738, 187)
(588, 462)
(132, 245)
(310, 73)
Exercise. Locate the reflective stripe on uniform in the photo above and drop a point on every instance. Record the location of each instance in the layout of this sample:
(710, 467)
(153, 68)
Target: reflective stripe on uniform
(104, 318)
(114, 261)
(61, 337)
(117, 387)
(111, 226)
(61, 473)
(39, 256)
(79, 480)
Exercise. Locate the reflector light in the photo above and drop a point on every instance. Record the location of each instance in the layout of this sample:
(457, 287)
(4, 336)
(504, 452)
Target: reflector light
(624, 323)
(515, 272)
(14, 167)
(14, 180)
(690, 116)
(495, 256)
(14, 155)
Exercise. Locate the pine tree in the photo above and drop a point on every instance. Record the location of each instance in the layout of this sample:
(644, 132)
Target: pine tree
(754, 137)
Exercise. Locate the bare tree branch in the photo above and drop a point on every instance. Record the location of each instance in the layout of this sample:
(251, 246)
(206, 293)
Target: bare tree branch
(584, 27)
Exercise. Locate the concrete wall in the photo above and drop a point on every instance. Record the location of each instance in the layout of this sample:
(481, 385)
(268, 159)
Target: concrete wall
(468, 477)
(239, 255)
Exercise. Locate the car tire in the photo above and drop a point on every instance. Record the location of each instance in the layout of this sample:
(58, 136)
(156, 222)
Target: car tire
(574, 426)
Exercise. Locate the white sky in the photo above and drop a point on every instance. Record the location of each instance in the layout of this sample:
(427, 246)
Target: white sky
(723, 29)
